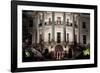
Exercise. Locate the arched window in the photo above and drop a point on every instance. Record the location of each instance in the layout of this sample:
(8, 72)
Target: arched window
(49, 21)
(58, 20)
(67, 37)
(49, 37)
(67, 21)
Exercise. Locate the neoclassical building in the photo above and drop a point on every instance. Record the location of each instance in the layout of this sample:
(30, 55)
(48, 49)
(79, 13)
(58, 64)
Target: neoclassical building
(57, 28)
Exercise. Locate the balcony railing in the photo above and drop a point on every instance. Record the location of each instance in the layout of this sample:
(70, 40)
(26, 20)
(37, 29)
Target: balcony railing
(58, 23)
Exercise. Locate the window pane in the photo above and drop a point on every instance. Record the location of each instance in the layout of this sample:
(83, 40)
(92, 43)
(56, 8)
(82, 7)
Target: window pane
(83, 24)
(84, 39)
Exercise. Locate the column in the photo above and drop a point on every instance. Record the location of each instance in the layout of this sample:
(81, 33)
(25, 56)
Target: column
(33, 30)
(36, 28)
(43, 18)
(79, 28)
(73, 28)
(53, 26)
(33, 41)
(64, 27)
(38, 21)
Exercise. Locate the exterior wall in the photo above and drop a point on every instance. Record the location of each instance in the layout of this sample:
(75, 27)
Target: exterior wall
(47, 28)
(58, 14)
(85, 31)
(59, 28)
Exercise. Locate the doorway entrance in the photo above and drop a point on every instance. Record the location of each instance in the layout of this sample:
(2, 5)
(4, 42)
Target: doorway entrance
(58, 37)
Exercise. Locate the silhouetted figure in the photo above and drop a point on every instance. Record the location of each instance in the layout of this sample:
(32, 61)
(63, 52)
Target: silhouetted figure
(46, 54)
(65, 55)
(59, 53)
(70, 53)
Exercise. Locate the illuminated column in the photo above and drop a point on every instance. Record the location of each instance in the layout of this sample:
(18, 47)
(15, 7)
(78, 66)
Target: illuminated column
(64, 27)
(53, 26)
(73, 28)
(34, 28)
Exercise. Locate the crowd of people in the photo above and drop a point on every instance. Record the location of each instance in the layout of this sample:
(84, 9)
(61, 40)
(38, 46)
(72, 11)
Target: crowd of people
(41, 53)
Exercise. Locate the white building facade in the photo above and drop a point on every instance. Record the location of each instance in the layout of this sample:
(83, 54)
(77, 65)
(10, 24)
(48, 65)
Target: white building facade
(60, 28)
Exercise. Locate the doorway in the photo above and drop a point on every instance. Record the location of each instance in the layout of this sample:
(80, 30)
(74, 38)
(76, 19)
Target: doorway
(58, 37)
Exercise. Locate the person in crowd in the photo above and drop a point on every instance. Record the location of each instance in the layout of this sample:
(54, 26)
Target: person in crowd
(46, 54)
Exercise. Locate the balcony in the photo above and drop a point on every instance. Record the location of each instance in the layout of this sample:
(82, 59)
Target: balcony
(69, 24)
